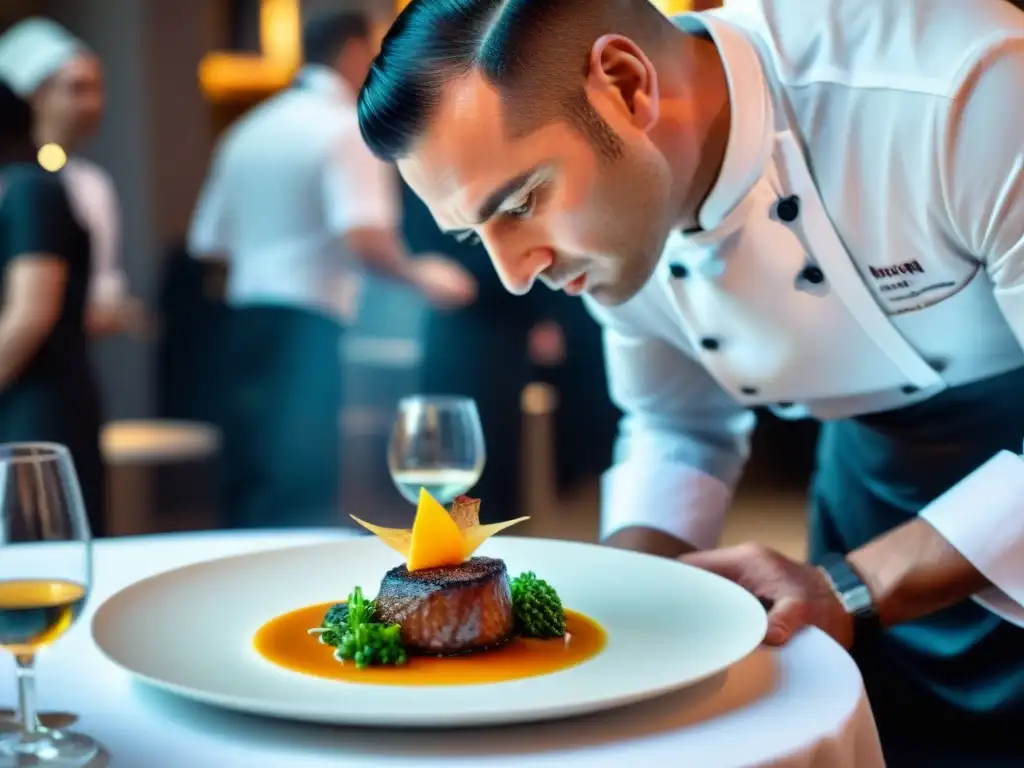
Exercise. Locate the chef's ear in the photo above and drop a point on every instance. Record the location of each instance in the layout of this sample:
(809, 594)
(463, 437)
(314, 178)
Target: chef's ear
(619, 69)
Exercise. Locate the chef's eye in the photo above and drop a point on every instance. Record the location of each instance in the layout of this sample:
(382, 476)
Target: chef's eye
(467, 236)
(523, 210)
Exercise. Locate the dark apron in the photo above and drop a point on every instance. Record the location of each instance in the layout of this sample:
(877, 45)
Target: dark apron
(950, 686)
(280, 423)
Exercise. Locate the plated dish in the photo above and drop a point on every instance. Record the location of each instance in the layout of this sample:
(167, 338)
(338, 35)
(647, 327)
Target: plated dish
(190, 632)
(445, 616)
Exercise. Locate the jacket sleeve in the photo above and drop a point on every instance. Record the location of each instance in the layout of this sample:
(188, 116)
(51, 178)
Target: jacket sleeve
(981, 156)
(683, 440)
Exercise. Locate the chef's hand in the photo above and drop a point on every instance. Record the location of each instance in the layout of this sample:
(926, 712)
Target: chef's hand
(797, 594)
(445, 283)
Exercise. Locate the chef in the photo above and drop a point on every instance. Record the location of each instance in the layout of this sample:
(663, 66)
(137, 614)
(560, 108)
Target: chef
(814, 207)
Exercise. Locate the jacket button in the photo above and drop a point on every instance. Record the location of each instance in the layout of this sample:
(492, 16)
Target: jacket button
(678, 270)
(750, 391)
(788, 208)
(710, 344)
(938, 365)
(909, 389)
(813, 275)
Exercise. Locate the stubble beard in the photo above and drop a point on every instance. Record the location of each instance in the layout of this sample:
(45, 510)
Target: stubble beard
(637, 257)
(642, 207)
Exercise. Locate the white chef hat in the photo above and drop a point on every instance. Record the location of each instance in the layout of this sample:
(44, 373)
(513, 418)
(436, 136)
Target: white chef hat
(32, 51)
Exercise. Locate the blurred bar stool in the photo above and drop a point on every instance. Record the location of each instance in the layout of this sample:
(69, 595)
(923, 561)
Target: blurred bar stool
(538, 403)
(132, 450)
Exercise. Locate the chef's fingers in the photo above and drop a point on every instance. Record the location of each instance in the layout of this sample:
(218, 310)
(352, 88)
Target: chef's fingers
(729, 562)
(787, 616)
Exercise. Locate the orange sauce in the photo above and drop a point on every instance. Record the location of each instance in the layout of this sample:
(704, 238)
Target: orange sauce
(284, 641)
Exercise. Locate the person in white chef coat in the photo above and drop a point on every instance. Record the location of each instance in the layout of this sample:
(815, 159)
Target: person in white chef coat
(816, 207)
(63, 81)
(296, 207)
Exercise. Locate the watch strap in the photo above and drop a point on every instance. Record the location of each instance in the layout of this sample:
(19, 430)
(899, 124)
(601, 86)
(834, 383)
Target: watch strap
(853, 594)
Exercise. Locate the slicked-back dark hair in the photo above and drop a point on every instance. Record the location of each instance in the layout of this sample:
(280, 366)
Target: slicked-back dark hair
(325, 35)
(535, 52)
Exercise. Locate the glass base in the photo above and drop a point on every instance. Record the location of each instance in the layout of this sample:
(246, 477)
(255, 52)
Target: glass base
(46, 747)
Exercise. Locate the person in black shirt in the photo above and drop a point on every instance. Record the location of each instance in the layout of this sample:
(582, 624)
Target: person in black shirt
(47, 388)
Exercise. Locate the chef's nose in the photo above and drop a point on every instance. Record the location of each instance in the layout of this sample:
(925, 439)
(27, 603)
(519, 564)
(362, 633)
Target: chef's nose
(518, 269)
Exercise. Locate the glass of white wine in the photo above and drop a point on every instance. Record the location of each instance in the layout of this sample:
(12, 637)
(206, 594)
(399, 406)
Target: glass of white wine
(436, 443)
(45, 571)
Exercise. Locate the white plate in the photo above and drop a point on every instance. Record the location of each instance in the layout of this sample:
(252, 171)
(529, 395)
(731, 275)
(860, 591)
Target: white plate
(190, 631)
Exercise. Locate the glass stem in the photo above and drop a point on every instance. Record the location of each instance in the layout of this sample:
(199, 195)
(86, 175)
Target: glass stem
(27, 692)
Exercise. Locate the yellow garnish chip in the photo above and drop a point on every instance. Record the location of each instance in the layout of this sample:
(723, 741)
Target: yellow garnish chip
(438, 537)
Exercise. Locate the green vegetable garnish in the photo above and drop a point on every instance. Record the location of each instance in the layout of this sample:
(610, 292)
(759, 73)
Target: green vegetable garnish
(537, 607)
(349, 628)
(338, 614)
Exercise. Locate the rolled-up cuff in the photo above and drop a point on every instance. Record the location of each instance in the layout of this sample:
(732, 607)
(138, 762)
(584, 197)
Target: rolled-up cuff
(982, 516)
(674, 498)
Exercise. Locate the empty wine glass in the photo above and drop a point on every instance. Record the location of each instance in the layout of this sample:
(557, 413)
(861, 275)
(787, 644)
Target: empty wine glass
(45, 572)
(437, 443)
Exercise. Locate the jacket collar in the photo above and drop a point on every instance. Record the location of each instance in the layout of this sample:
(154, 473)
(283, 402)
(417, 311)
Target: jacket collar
(751, 129)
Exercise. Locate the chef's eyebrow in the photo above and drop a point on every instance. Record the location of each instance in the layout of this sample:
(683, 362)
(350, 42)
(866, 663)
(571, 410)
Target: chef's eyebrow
(498, 197)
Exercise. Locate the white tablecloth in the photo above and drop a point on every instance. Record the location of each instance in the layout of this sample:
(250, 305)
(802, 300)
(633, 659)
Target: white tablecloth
(801, 707)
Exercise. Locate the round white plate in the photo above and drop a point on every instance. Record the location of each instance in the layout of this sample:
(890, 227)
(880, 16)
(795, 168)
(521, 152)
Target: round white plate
(190, 632)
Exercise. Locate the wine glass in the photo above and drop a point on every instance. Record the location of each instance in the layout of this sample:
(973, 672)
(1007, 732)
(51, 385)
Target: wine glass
(436, 443)
(45, 571)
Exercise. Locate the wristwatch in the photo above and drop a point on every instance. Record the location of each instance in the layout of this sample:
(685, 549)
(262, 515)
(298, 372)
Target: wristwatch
(853, 594)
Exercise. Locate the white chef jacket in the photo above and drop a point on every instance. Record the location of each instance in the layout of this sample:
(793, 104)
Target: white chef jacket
(862, 249)
(286, 182)
(93, 199)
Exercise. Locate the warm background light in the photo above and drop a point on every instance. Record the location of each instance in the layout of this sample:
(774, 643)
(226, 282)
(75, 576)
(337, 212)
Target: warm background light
(665, 6)
(226, 76)
(52, 157)
(281, 32)
(672, 7)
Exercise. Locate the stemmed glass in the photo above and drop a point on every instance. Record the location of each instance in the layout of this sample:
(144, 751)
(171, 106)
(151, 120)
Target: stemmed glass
(45, 572)
(436, 443)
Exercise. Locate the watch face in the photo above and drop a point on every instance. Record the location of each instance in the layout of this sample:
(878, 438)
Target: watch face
(852, 592)
(857, 600)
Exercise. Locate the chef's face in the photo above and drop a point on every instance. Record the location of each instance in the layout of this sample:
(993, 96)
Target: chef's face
(579, 212)
(71, 102)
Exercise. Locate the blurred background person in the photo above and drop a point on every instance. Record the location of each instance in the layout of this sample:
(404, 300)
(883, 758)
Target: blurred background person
(295, 206)
(47, 388)
(495, 346)
(63, 82)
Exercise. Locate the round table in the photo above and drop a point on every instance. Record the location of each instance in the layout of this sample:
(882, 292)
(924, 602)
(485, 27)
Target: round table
(799, 707)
